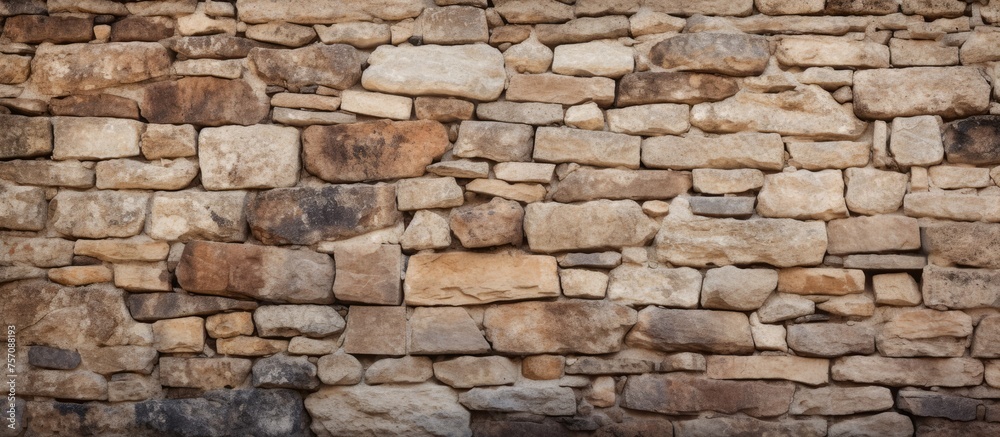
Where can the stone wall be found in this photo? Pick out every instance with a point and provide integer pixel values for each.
(497, 218)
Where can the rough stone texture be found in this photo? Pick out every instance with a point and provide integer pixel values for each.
(565, 90)
(743, 150)
(424, 409)
(897, 372)
(123, 174)
(731, 288)
(265, 273)
(603, 149)
(966, 244)
(496, 223)
(22, 208)
(329, 151)
(375, 330)
(368, 274)
(94, 138)
(973, 140)
(785, 195)
(542, 327)
(100, 105)
(830, 339)
(202, 101)
(227, 163)
(282, 371)
(428, 193)
(829, 401)
(778, 242)
(872, 191)
(192, 215)
(441, 331)
(468, 372)
(98, 214)
(339, 369)
(147, 307)
(822, 280)
(748, 426)
(654, 120)
(293, 320)
(326, 11)
(436, 279)
(554, 401)
(25, 137)
(556, 227)
(473, 71)
(827, 51)
(691, 394)
(336, 66)
(880, 93)
(723, 53)
(204, 373)
(307, 215)
(669, 330)
(494, 141)
(637, 285)
(959, 288)
(673, 87)
(810, 371)
(588, 184)
(66, 69)
(15, 69)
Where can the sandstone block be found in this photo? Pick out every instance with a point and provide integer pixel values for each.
(471, 71)
(872, 234)
(985, 341)
(949, 177)
(250, 346)
(656, 119)
(142, 277)
(428, 193)
(830, 339)
(723, 53)
(40, 252)
(494, 141)
(810, 371)
(690, 395)
(966, 244)
(731, 288)
(156, 306)
(639, 285)
(286, 34)
(713, 181)
(780, 307)
(282, 371)
(93, 138)
(336, 66)
(959, 288)
(899, 372)
(565, 90)
(78, 385)
(831, 51)
(327, 11)
(424, 409)
(99, 105)
(35, 29)
(80, 275)
(328, 151)
(461, 168)
(15, 69)
(443, 109)
(720, 332)
(879, 93)
(22, 208)
(309, 215)
(121, 174)
(524, 172)
(737, 207)
(444, 331)
(555, 227)
(339, 369)
(204, 373)
(496, 223)
(405, 370)
(539, 327)
(949, 206)
(432, 279)
(265, 273)
(192, 215)
(586, 284)
(74, 174)
(784, 195)
(168, 141)
(673, 87)
(202, 101)
(236, 157)
(373, 330)
(973, 140)
(427, 230)
(468, 372)
(744, 150)
(829, 401)
(453, 25)
(360, 34)
(98, 214)
(916, 140)
(526, 113)
(554, 401)
(778, 242)
(883, 424)
(897, 289)
(25, 137)
(212, 46)
(553, 144)
(528, 56)
(591, 184)
(723, 425)
(368, 274)
(823, 281)
(376, 104)
(582, 30)
(828, 154)
(528, 12)
(66, 69)
(293, 320)
(179, 335)
(228, 325)
(595, 58)
(586, 116)
(871, 191)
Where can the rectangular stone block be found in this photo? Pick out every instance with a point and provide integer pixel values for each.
(237, 157)
(960, 288)
(901, 372)
(950, 92)
(778, 242)
(94, 138)
(195, 215)
(605, 149)
(677, 393)
(719, 332)
(744, 150)
(368, 273)
(811, 371)
(25, 137)
(541, 327)
(463, 278)
(564, 90)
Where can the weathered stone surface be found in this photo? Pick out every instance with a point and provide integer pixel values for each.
(527, 193)
(329, 151)
(543, 367)
(494, 141)
(595, 58)
(822, 280)
(405, 370)
(443, 109)
(540, 327)
(639, 285)
(360, 34)
(72, 174)
(973, 140)
(830, 339)
(179, 335)
(307, 215)
(565, 90)
(520, 172)
(673, 87)
(260, 156)
(202, 101)
(951, 206)
(293, 320)
(35, 29)
(99, 105)
(193, 215)
(553, 401)
(66, 69)
(212, 46)
(80, 275)
(453, 25)
(960, 288)
(691, 395)
(831, 51)
(781, 306)
(883, 424)
(204, 373)
(785, 194)
(286, 34)
(582, 30)
(377, 104)
(460, 168)
(655, 120)
(885, 262)
(872, 191)
(468, 372)
(250, 346)
(731, 288)
(368, 274)
(743, 150)
(264, 273)
(778, 242)
(146, 29)
(590, 184)
(748, 426)
(555, 227)
(25, 137)
(339, 369)
(147, 307)
(881, 233)
(14, 69)
(526, 113)
(444, 331)
(916, 140)
(336, 66)
(22, 208)
(898, 289)
(373, 330)
(530, 12)
(604, 149)
(945, 427)
(811, 371)
(724, 53)
(228, 325)
(434, 279)
(737, 207)
(528, 56)
(119, 174)
(984, 344)
(19, 7)
(424, 409)
(898, 372)
(142, 276)
(327, 11)
(470, 71)
(40, 252)
(879, 93)
(93, 138)
(53, 358)
(496, 223)
(950, 177)
(98, 214)
(828, 154)
(807, 111)
(427, 230)
(428, 193)
(838, 401)
(282, 371)
(719, 332)
(80, 385)
(168, 141)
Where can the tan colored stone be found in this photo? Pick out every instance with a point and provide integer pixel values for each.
(80, 275)
(328, 151)
(444, 331)
(453, 25)
(250, 346)
(967, 244)
(778, 242)
(916, 140)
(780, 307)
(585, 284)
(565, 90)
(368, 273)
(524, 172)
(327, 11)
(94, 138)
(227, 69)
(431, 279)
(494, 141)
(882, 233)
(40, 252)
(582, 30)
(831, 339)
(713, 181)
(595, 58)
(586, 116)
(945, 287)
(376, 104)
(731, 288)
(26, 137)
(286, 34)
(179, 335)
(163, 175)
(920, 53)
(362, 35)
(810, 371)
(899, 372)
(922, 88)
(427, 230)
(753, 150)
(78, 385)
(235, 157)
(591, 184)
(690, 395)
(168, 141)
(496, 223)
(405, 370)
(293, 320)
(598, 224)
(692, 330)
(339, 369)
(204, 373)
(898, 289)
(203, 101)
(228, 325)
(542, 367)
(556, 401)
(785, 194)
(584, 147)
(192, 215)
(336, 66)
(673, 87)
(527, 193)
(374, 330)
(639, 285)
(470, 71)
(948, 177)
(724, 53)
(22, 208)
(528, 56)
(950, 206)
(648, 22)
(143, 277)
(460, 168)
(539, 327)
(67, 69)
(830, 154)
(830, 51)
(98, 214)
(423, 409)
(840, 400)
(871, 191)
(530, 12)
(15, 68)
(305, 101)
(467, 372)
(649, 120)
(443, 109)
(428, 193)
(73, 174)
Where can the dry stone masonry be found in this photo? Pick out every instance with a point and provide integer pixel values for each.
(500, 217)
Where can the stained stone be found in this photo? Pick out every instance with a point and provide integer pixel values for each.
(783, 195)
(526, 113)
(336, 66)
(443, 109)
(496, 223)
(956, 288)
(470, 71)
(731, 288)
(830, 339)
(444, 331)
(879, 425)
(204, 373)
(100, 105)
(828, 154)
(40, 252)
(20, 7)
(564, 90)
(639, 285)
(830, 401)
(973, 140)
(885, 262)
(453, 25)
(820, 281)
(327, 11)
(80, 385)
(368, 273)
(523, 172)
(552, 401)
(282, 371)
(591, 184)
(286, 34)
(951, 206)
(192, 215)
(723, 53)
(168, 141)
(146, 29)
(555, 227)
(900, 372)
(202, 101)
(35, 29)
(265, 273)
(66, 69)
(328, 151)
(778, 242)
(432, 279)
(14, 69)
(98, 214)
(582, 30)
(308, 215)
(904, 92)
(25, 137)
(673, 87)
(541, 327)
(374, 330)
(736, 151)
(428, 193)
(156, 306)
(721, 332)
(749, 426)
(212, 46)
(260, 156)
(22, 207)
(423, 409)
(494, 141)
(94, 138)
(872, 234)
(293, 320)
(53, 358)
(119, 174)
(692, 395)
(361, 35)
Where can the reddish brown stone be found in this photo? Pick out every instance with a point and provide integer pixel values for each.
(203, 101)
(265, 273)
(36, 29)
(372, 151)
(142, 29)
(662, 87)
(99, 105)
(309, 215)
(213, 46)
(676, 393)
(337, 66)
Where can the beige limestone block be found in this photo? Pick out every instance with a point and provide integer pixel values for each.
(828, 154)
(143, 277)
(444, 331)
(529, 56)
(427, 230)
(376, 104)
(831, 51)
(436, 279)
(948, 206)
(950, 177)
(669, 287)
(904, 92)
(179, 335)
(743, 150)
(524, 172)
(586, 116)
(539, 327)
(250, 346)
(527, 193)
(286, 34)
(732, 288)
(650, 120)
(715, 181)
(555, 227)
(720, 242)
(871, 191)
(168, 141)
(235, 157)
(565, 90)
(917, 140)
(810, 371)
(831, 401)
(204, 373)
(95, 138)
(881, 233)
(195, 215)
(803, 195)
(405, 370)
(124, 174)
(584, 284)
(595, 58)
(471, 71)
(606, 149)
(228, 325)
(899, 372)
(495, 141)
(80, 275)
